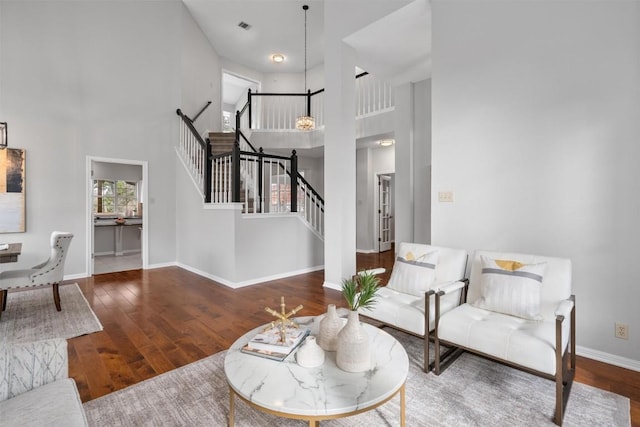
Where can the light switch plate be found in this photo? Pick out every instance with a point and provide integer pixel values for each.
(445, 196)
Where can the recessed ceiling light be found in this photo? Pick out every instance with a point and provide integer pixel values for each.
(386, 142)
(277, 58)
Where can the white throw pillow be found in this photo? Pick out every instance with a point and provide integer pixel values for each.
(511, 287)
(414, 273)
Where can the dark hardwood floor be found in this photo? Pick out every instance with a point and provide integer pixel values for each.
(157, 320)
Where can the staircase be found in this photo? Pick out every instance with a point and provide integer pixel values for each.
(222, 143)
(266, 183)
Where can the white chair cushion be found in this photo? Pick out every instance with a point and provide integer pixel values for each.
(556, 285)
(513, 339)
(414, 272)
(54, 404)
(406, 312)
(511, 287)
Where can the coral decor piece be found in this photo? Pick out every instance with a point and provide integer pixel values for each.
(283, 318)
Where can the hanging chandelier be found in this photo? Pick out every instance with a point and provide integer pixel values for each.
(306, 122)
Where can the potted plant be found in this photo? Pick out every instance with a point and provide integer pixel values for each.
(360, 291)
(353, 354)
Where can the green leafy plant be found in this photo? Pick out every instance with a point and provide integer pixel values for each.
(360, 291)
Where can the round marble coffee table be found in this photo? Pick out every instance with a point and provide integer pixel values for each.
(313, 394)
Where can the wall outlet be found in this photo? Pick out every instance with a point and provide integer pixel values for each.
(445, 196)
(622, 331)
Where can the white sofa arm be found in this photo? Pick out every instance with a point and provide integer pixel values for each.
(564, 308)
(25, 366)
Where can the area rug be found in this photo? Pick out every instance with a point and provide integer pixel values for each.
(471, 392)
(31, 315)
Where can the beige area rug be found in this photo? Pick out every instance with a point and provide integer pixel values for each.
(471, 392)
(31, 315)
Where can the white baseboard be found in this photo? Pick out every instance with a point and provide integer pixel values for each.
(332, 286)
(236, 285)
(163, 264)
(366, 251)
(609, 358)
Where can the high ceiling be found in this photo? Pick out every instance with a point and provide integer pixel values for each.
(391, 37)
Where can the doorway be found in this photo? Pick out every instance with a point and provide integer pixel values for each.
(234, 97)
(117, 232)
(385, 206)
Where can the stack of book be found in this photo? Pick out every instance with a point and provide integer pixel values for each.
(269, 343)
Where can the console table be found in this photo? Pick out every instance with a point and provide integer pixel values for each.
(314, 394)
(11, 254)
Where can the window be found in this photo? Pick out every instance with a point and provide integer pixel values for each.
(115, 197)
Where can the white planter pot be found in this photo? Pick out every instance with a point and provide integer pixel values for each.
(330, 325)
(310, 355)
(353, 354)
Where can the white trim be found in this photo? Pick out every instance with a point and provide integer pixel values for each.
(332, 286)
(161, 265)
(236, 285)
(75, 276)
(366, 251)
(237, 206)
(608, 358)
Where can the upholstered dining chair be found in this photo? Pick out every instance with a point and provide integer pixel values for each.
(520, 311)
(49, 272)
(418, 270)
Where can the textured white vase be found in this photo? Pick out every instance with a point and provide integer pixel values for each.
(310, 355)
(329, 327)
(353, 354)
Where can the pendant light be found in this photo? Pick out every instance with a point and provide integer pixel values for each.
(306, 122)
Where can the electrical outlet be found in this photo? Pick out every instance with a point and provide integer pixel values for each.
(445, 196)
(622, 331)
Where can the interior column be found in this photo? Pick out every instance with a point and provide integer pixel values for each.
(339, 155)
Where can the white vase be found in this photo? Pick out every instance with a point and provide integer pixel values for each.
(329, 327)
(353, 354)
(310, 355)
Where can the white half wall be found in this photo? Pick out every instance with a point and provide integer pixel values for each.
(536, 130)
(221, 243)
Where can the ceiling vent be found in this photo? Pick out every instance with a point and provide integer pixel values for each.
(244, 25)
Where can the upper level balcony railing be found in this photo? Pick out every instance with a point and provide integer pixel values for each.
(279, 111)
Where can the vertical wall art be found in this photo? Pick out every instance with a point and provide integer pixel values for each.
(12, 191)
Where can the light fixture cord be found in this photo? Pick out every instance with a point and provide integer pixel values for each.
(305, 48)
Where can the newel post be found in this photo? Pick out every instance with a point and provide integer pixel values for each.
(260, 178)
(249, 101)
(294, 181)
(208, 167)
(235, 195)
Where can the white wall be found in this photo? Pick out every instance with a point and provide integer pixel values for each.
(97, 78)
(422, 161)
(201, 76)
(536, 130)
(116, 171)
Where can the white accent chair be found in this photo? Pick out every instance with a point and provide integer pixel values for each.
(402, 304)
(540, 343)
(34, 386)
(50, 272)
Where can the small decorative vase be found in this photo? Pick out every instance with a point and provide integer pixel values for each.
(353, 353)
(310, 355)
(330, 325)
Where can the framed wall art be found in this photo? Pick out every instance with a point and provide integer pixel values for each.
(12, 191)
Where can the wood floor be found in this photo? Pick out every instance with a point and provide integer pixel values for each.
(157, 320)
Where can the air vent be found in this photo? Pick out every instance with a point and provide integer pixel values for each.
(244, 25)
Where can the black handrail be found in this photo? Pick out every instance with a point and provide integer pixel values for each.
(193, 130)
(201, 111)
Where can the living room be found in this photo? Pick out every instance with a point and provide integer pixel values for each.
(533, 108)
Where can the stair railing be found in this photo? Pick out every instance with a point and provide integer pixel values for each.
(197, 151)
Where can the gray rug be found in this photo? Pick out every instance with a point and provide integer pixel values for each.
(31, 315)
(471, 392)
